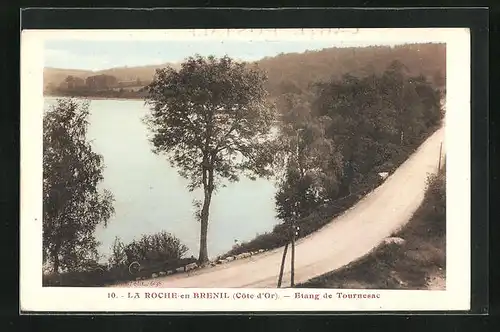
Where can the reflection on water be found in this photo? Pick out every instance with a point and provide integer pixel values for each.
(150, 196)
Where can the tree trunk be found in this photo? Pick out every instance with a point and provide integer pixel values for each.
(54, 253)
(56, 263)
(203, 256)
(345, 181)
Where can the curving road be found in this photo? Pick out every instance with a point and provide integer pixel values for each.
(347, 238)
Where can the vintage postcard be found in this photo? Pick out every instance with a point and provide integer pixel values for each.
(245, 170)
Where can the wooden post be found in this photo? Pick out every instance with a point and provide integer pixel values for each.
(292, 270)
(280, 278)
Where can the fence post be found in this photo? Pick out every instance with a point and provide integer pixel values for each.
(280, 278)
(292, 270)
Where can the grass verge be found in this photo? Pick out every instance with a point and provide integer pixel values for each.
(418, 263)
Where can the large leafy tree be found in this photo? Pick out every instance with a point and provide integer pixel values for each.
(73, 205)
(211, 118)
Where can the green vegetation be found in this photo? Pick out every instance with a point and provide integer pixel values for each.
(296, 71)
(334, 140)
(418, 263)
(72, 205)
(104, 86)
(340, 122)
(285, 72)
(138, 259)
(154, 248)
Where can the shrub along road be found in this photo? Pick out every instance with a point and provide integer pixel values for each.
(346, 239)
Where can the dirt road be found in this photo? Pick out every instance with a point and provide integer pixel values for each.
(345, 239)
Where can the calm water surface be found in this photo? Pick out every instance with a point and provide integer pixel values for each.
(150, 196)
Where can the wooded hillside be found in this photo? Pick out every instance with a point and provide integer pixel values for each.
(294, 70)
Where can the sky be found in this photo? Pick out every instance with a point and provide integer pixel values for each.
(98, 55)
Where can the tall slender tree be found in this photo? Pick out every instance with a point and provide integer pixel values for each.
(212, 120)
(73, 205)
(304, 155)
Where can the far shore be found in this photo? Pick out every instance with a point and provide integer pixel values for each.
(94, 97)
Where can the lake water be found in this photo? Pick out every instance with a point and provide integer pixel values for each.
(150, 196)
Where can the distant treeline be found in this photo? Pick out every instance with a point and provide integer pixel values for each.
(120, 93)
(104, 86)
(294, 72)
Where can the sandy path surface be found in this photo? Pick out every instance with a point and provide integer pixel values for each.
(347, 238)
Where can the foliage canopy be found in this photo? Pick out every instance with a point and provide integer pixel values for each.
(73, 205)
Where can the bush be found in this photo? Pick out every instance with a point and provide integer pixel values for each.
(152, 248)
(153, 253)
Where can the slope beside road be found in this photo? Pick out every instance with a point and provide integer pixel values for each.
(345, 239)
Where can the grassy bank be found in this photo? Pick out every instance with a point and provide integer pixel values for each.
(105, 275)
(418, 263)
